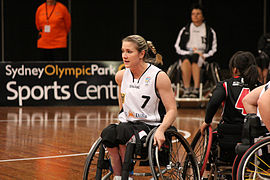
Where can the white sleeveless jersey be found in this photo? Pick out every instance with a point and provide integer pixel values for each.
(263, 90)
(140, 99)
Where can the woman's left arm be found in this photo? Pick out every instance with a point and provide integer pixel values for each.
(167, 97)
(263, 105)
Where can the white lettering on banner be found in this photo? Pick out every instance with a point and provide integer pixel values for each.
(22, 71)
(93, 92)
(55, 70)
(23, 93)
(95, 69)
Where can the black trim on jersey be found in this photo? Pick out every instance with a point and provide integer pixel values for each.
(161, 107)
(161, 111)
(121, 111)
(266, 87)
(156, 85)
(142, 73)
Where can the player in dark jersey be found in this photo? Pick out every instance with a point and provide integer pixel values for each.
(230, 93)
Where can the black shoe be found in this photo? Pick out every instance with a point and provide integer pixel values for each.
(186, 93)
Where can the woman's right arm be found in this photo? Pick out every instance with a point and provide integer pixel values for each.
(217, 98)
(118, 78)
(219, 95)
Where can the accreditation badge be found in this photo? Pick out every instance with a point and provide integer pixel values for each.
(47, 28)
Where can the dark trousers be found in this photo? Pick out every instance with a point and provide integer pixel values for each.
(59, 54)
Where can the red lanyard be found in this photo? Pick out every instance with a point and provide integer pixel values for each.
(48, 17)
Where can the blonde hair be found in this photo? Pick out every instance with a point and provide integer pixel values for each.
(151, 54)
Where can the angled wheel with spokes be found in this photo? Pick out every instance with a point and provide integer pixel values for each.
(97, 164)
(176, 160)
(255, 163)
(201, 146)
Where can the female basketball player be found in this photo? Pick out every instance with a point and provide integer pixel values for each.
(230, 94)
(145, 99)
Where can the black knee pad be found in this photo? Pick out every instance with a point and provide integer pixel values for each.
(108, 136)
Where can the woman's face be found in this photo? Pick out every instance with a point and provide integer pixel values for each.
(197, 16)
(130, 55)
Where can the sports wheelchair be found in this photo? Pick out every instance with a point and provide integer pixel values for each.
(214, 153)
(255, 163)
(209, 77)
(254, 151)
(176, 160)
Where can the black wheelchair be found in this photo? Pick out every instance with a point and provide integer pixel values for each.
(176, 159)
(254, 151)
(209, 77)
(255, 163)
(215, 152)
(250, 159)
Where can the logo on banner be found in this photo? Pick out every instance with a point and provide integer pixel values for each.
(52, 83)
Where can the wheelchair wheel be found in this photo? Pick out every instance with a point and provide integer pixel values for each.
(97, 164)
(211, 78)
(255, 164)
(176, 160)
(173, 72)
(215, 72)
(201, 146)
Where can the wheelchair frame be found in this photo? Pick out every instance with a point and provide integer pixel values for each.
(182, 161)
(252, 165)
(206, 87)
(209, 162)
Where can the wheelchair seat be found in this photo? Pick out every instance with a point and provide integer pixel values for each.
(176, 160)
(209, 77)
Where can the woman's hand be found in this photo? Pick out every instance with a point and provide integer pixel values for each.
(159, 138)
(203, 127)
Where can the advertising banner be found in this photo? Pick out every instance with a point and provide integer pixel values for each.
(54, 83)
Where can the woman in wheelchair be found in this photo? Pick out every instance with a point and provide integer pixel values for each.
(230, 93)
(146, 100)
(254, 149)
(257, 102)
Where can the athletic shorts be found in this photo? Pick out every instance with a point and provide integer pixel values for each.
(122, 133)
(193, 58)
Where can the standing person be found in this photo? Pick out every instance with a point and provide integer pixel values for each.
(146, 100)
(263, 58)
(53, 22)
(195, 43)
(230, 94)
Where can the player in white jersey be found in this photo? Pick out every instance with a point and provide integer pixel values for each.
(145, 99)
(258, 102)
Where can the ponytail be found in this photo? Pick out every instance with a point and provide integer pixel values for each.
(251, 76)
(245, 62)
(152, 55)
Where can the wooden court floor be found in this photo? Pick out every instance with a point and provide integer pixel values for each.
(52, 142)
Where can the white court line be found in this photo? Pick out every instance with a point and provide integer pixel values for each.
(46, 157)
(71, 119)
(187, 134)
(101, 119)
